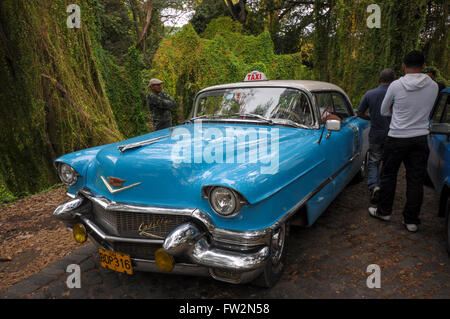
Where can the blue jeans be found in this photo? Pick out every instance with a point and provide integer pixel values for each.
(373, 167)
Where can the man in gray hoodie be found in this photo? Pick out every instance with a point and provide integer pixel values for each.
(409, 101)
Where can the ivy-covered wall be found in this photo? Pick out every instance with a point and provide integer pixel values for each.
(188, 62)
(53, 96)
(125, 90)
(350, 54)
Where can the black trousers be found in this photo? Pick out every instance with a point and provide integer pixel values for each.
(413, 152)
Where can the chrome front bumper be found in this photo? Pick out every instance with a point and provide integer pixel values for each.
(226, 255)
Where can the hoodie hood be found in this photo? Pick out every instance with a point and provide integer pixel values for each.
(415, 81)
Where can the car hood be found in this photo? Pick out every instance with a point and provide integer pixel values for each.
(172, 170)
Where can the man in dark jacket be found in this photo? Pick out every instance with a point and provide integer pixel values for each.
(159, 103)
(378, 130)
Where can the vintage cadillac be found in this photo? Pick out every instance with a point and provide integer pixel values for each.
(216, 195)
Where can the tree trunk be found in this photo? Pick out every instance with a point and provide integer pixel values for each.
(238, 12)
(147, 23)
(135, 16)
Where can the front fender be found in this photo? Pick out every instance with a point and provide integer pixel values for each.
(80, 161)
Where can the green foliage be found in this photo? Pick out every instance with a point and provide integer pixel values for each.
(124, 88)
(5, 194)
(351, 55)
(187, 62)
(205, 12)
(52, 99)
(117, 29)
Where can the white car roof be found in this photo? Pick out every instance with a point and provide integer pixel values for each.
(300, 84)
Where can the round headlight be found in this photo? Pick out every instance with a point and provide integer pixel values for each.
(67, 174)
(224, 201)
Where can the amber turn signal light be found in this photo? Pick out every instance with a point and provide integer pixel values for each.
(79, 233)
(163, 260)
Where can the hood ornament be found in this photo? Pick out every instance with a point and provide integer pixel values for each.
(131, 146)
(116, 182)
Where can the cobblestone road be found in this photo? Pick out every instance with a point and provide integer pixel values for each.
(327, 260)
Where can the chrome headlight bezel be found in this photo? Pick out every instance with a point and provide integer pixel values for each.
(67, 174)
(212, 195)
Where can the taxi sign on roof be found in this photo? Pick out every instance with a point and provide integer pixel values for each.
(255, 76)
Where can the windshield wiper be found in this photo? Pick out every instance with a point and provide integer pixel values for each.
(255, 116)
(205, 116)
(289, 123)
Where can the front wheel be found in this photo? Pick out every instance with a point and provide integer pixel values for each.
(275, 265)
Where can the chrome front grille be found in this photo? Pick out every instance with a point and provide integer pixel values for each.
(137, 225)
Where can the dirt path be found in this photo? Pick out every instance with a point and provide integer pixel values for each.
(30, 238)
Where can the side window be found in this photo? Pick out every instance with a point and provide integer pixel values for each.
(302, 110)
(324, 102)
(442, 110)
(341, 107)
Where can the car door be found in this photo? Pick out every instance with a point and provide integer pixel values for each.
(337, 147)
(347, 140)
(438, 141)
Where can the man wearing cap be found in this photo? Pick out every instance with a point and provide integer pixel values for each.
(159, 103)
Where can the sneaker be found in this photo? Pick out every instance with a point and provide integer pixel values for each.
(375, 195)
(411, 227)
(373, 213)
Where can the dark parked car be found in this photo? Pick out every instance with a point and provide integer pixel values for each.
(439, 160)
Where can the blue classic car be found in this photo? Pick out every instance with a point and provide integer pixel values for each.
(215, 196)
(439, 159)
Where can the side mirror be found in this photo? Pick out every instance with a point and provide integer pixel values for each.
(333, 125)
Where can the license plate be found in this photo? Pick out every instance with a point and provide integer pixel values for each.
(115, 261)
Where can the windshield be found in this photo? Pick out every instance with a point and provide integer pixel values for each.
(275, 105)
